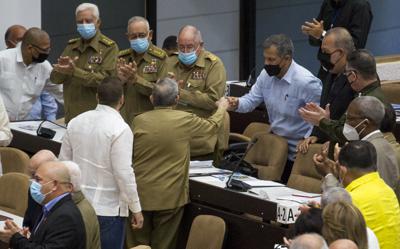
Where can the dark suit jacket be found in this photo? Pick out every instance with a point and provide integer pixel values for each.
(32, 213)
(62, 229)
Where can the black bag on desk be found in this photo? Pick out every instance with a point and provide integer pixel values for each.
(230, 163)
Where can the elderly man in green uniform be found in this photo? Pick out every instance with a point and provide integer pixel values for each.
(85, 62)
(138, 66)
(363, 79)
(162, 166)
(202, 80)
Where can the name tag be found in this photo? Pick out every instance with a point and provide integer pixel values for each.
(287, 214)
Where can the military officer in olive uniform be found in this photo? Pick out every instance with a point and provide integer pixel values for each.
(162, 167)
(146, 60)
(202, 80)
(85, 62)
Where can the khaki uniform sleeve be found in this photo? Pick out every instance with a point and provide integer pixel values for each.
(334, 129)
(200, 126)
(93, 79)
(215, 88)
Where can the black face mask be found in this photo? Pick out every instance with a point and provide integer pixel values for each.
(272, 70)
(41, 58)
(325, 60)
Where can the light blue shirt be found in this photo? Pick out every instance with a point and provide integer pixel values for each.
(48, 104)
(282, 98)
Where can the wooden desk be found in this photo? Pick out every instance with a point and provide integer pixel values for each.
(242, 231)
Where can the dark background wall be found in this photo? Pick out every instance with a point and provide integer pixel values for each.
(58, 19)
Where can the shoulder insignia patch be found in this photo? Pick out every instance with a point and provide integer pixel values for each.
(158, 52)
(73, 40)
(125, 52)
(107, 41)
(212, 57)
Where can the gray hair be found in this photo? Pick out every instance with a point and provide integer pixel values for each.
(309, 241)
(371, 108)
(282, 42)
(335, 194)
(196, 32)
(165, 92)
(342, 39)
(138, 19)
(74, 174)
(88, 6)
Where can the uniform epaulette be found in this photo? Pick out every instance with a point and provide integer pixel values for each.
(107, 41)
(211, 56)
(124, 52)
(157, 52)
(73, 40)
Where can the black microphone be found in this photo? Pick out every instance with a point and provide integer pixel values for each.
(237, 184)
(249, 80)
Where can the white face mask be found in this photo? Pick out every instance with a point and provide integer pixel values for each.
(350, 132)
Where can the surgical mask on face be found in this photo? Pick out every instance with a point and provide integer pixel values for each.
(350, 132)
(187, 58)
(87, 30)
(325, 60)
(140, 45)
(36, 193)
(41, 58)
(272, 70)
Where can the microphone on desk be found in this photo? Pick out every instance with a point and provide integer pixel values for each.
(237, 184)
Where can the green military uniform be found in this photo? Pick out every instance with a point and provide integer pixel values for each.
(161, 161)
(205, 83)
(96, 60)
(90, 220)
(334, 128)
(149, 67)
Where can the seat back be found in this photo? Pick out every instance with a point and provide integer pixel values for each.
(392, 92)
(255, 127)
(304, 176)
(207, 231)
(14, 193)
(269, 156)
(14, 160)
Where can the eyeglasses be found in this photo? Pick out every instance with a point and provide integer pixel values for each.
(43, 50)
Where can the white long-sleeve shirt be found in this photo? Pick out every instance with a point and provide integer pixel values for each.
(5, 132)
(21, 85)
(101, 143)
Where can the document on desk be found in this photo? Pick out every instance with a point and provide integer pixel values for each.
(205, 168)
(30, 127)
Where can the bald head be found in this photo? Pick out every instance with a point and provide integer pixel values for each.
(309, 241)
(75, 175)
(39, 158)
(54, 170)
(342, 39)
(335, 194)
(14, 35)
(190, 32)
(368, 107)
(35, 36)
(343, 244)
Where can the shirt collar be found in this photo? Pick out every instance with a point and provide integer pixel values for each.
(19, 53)
(107, 108)
(94, 43)
(367, 178)
(371, 134)
(369, 88)
(50, 204)
(288, 77)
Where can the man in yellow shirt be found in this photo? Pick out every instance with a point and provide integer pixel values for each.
(376, 200)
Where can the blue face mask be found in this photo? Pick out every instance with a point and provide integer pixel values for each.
(36, 193)
(140, 45)
(87, 31)
(187, 58)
